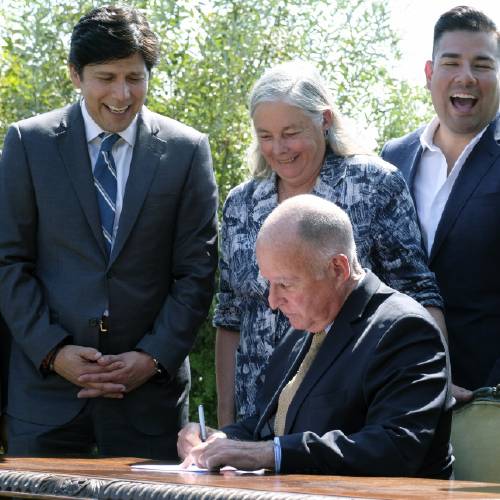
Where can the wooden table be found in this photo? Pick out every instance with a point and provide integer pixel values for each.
(112, 478)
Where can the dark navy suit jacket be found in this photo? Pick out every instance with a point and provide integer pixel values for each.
(4, 363)
(465, 255)
(376, 399)
(55, 277)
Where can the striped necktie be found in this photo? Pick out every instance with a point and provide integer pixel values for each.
(288, 392)
(106, 185)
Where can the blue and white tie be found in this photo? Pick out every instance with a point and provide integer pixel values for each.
(105, 183)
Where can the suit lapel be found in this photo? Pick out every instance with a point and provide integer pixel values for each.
(475, 168)
(339, 337)
(72, 144)
(296, 356)
(413, 160)
(147, 152)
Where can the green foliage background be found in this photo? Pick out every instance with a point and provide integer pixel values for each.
(212, 52)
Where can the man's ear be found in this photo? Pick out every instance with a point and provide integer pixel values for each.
(428, 73)
(340, 267)
(74, 76)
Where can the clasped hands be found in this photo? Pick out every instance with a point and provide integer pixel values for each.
(106, 375)
(218, 451)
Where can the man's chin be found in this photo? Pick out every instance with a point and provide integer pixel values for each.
(467, 124)
(116, 122)
(296, 322)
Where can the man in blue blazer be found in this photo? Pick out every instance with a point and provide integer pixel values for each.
(107, 255)
(360, 387)
(453, 169)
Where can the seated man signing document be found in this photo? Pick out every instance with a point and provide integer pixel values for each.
(360, 386)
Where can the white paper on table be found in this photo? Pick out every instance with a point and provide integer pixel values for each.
(168, 468)
(177, 469)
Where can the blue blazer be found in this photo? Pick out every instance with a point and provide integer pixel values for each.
(376, 399)
(55, 278)
(464, 255)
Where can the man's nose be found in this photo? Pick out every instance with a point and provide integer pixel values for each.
(121, 90)
(465, 75)
(273, 298)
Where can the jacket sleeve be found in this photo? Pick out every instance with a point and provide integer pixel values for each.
(22, 301)
(194, 262)
(402, 262)
(242, 430)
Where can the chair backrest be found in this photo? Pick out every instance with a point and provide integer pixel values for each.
(475, 436)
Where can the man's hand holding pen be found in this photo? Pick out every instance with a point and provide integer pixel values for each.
(218, 451)
(190, 445)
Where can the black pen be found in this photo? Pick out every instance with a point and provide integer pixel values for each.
(203, 427)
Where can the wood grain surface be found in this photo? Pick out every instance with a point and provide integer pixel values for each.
(329, 486)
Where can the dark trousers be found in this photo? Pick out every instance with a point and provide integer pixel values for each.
(4, 370)
(3, 433)
(100, 428)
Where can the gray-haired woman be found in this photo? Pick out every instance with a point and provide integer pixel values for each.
(303, 146)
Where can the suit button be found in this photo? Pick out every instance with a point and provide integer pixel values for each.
(110, 275)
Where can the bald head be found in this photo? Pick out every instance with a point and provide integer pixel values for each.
(318, 226)
(306, 252)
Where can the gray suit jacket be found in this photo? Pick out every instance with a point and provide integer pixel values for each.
(55, 279)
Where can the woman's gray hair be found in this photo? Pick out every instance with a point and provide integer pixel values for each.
(299, 84)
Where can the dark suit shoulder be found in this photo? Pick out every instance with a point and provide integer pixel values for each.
(399, 305)
(45, 122)
(403, 152)
(398, 314)
(401, 142)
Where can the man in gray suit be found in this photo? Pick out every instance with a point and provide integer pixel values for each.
(107, 255)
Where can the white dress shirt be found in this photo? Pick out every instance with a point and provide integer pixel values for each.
(432, 185)
(122, 154)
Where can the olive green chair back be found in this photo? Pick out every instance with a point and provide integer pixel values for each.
(475, 437)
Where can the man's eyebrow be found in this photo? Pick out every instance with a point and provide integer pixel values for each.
(111, 72)
(454, 55)
(485, 58)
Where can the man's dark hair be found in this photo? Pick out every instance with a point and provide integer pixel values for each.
(109, 33)
(464, 18)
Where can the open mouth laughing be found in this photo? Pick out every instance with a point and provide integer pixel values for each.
(463, 102)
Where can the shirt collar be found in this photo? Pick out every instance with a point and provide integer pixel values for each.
(427, 136)
(92, 130)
